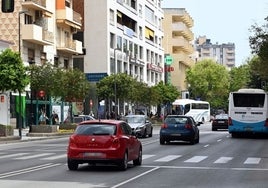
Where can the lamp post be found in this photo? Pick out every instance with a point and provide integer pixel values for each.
(115, 95)
(20, 100)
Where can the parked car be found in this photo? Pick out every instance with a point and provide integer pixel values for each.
(103, 141)
(179, 127)
(80, 118)
(220, 122)
(140, 124)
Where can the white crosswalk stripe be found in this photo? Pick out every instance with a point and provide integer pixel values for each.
(155, 158)
(252, 160)
(33, 156)
(196, 159)
(168, 158)
(55, 157)
(12, 155)
(222, 160)
(147, 156)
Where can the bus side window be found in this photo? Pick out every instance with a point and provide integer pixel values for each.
(7, 6)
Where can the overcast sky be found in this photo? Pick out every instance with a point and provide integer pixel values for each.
(224, 21)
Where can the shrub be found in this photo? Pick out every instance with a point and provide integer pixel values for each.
(6, 130)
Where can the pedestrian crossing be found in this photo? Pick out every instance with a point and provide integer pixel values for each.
(146, 158)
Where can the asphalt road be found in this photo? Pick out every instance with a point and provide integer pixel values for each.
(217, 161)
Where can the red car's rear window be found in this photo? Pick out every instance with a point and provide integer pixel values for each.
(96, 129)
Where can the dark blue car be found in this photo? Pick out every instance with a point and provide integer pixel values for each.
(179, 127)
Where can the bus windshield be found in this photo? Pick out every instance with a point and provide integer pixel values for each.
(249, 100)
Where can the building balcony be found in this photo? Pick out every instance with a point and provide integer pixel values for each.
(181, 44)
(71, 46)
(180, 29)
(185, 18)
(37, 5)
(68, 17)
(36, 34)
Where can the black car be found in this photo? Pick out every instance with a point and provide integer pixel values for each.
(220, 122)
(179, 127)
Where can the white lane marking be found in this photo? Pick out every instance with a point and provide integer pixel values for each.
(34, 156)
(135, 177)
(13, 155)
(168, 158)
(55, 157)
(27, 170)
(196, 159)
(205, 146)
(147, 156)
(222, 160)
(252, 160)
(219, 140)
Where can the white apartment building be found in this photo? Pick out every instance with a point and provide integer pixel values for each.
(223, 54)
(124, 36)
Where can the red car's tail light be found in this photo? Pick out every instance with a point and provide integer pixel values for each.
(72, 142)
(230, 122)
(164, 126)
(266, 123)
(188, 126)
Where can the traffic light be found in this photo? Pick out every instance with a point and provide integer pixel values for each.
(7, 6)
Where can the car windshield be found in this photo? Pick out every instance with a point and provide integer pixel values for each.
(133, 119)
(221, 116)
(96, 129)
(177, 120)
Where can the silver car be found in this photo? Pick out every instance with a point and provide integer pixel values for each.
(140, 124)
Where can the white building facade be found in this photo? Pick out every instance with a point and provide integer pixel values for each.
(124, 36)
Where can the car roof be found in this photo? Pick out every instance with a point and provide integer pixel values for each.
(102, 121)
(136, 115)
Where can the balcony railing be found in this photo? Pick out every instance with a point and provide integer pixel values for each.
(36, 34)
(70, 46)
(69, 17)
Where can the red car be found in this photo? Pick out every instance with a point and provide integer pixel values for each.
(104, 141)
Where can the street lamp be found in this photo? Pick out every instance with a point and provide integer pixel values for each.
(20, 100)
(20, 13)
(115, 72)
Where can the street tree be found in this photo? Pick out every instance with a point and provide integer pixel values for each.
(259, 46)
(209, 81)
(13, 74)
(13, 77)
(239, 77)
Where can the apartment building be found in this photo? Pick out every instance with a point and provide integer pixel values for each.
(124, 36)
(177, 42)
(223, 54)
(42, 30)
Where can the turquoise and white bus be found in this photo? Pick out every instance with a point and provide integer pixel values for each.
(248, 112)
(199, 110)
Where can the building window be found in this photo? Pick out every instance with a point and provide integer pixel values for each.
(66, 63)
(119, 42)
(112, 40)
(111, 16)
(31, 55)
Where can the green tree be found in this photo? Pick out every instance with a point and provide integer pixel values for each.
(239, 77)
(209, 81)
(68, 84)
(259, 46)
(168, 93)
(13, 74)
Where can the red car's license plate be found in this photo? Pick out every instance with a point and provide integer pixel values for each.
(93, 154)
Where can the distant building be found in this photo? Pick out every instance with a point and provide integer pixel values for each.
(177, 43)
(224, 54)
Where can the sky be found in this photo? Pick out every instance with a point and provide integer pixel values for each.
(224, 21)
